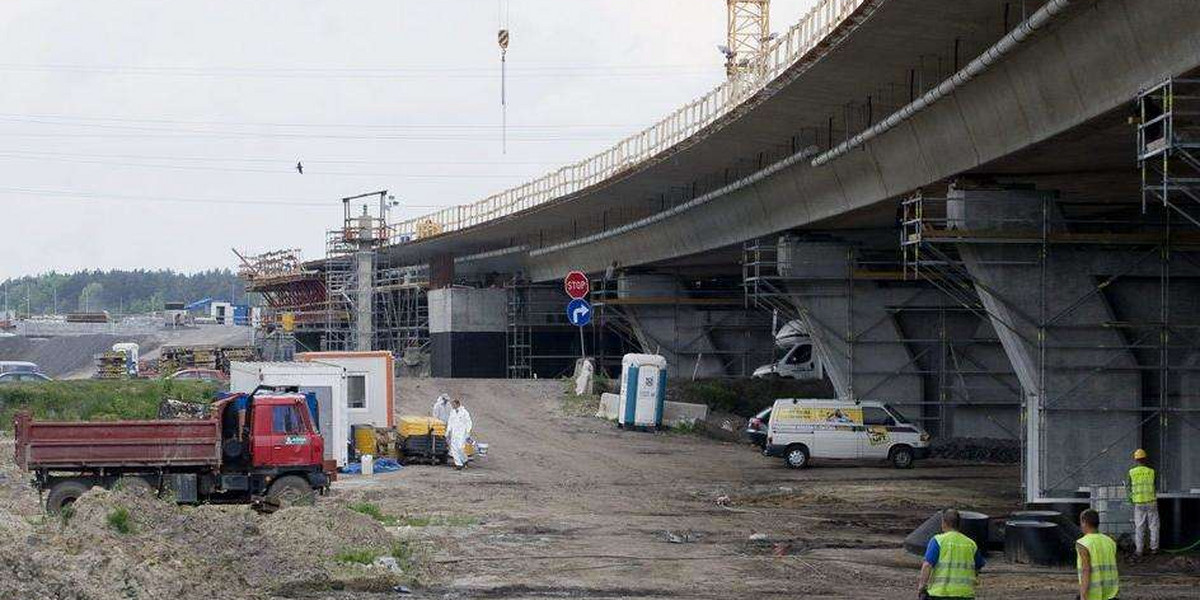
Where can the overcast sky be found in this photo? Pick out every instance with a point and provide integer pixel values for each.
(161, 134)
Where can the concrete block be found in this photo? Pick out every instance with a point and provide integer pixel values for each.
(609, 403)
(679, 413)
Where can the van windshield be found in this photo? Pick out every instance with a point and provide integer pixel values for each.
(899, 415)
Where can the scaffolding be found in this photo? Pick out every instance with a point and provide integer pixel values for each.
(940, 339)
(710, 325)
(1168, 138)
(540, 341)
(1125, 326)
(294, 293)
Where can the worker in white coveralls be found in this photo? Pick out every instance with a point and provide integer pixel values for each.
(458, 428)
(441, 408)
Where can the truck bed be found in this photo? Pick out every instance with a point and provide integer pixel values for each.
(84, 445)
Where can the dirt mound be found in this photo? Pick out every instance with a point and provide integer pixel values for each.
(129, 545)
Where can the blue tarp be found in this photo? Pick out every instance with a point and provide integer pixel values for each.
(382, 465)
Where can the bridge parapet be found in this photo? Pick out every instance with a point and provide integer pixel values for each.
(819, 26)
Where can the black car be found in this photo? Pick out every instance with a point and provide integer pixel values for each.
(756, 428)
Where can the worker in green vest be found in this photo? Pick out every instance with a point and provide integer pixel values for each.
(1095, 560)
(951, 562)
(1145, 503)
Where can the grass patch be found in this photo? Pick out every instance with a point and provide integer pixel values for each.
(96, 400)
(358, 556)
(580, 406)
(374, 512)
(118, 519)
(402, 551)
(685, 428)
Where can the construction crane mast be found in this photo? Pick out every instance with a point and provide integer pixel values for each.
(749, 31)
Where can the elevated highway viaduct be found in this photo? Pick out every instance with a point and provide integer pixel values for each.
(948, 196)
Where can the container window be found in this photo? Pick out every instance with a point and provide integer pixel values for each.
(356, 391)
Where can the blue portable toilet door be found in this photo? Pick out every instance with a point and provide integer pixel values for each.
(630, 399)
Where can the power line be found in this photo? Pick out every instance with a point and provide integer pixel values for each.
(286, 168)
(77, 194)
(392, 73)
(85, 119)
(276, 159)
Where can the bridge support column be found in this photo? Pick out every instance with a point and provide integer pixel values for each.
(467, 332)
(1081, 387)
(851, 322)
(699, 333)
(364, 305)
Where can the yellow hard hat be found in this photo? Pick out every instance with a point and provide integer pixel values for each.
(1139, 454)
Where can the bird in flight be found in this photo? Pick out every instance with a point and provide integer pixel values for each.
(299, 167)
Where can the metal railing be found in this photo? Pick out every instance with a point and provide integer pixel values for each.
(781, 54)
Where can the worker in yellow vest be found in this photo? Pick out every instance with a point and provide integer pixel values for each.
(1095, 560)
(1145, 503)
(951, 562)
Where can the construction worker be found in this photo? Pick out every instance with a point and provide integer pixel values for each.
(951, 562)
(441, 408)
(1145, 503)
(458, 429)
(1095, 560)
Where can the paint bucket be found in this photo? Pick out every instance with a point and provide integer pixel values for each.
(368, 464)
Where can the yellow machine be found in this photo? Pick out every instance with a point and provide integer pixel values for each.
(414, 425)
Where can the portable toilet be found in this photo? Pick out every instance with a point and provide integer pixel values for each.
(643, 390)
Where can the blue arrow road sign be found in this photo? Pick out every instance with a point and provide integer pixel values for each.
(579, 312)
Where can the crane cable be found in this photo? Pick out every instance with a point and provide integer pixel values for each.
(502, 38)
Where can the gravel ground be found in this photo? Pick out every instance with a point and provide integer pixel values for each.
(564, 506)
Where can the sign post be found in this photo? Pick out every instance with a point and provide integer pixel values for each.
(579, 312)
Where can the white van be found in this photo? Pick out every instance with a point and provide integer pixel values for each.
(806, 429)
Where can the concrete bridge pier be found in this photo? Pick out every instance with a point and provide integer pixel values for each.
(854, 331)
(1081, 386)
(701, 334)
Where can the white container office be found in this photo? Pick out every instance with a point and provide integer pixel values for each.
(370, 384)
(643, 390)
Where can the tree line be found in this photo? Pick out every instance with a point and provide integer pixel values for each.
(116, 291)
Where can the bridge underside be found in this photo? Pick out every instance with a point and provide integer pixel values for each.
(986, 262)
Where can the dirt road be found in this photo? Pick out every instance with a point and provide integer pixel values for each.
(570, 506)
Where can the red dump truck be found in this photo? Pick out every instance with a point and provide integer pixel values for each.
(258, 449)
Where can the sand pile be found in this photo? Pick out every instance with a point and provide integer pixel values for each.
(177, 552)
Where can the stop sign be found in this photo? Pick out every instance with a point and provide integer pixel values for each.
(577, 285)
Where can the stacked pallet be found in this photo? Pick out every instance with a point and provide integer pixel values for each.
(111, 365)
(176, 358)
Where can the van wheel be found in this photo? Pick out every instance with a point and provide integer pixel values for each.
(796, 457)
(902, 457)
(64, 494)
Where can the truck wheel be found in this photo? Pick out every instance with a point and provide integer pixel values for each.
(64, 494)
(290, 490)
(796, 457)
(902, 457)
